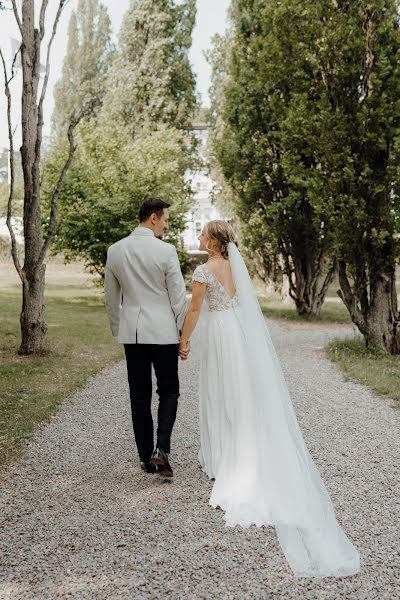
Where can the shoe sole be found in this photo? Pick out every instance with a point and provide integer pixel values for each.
(164, 470)
(144, 470)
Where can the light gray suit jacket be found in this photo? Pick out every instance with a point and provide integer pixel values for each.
(145, 292)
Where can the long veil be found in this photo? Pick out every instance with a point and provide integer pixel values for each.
(302, 513)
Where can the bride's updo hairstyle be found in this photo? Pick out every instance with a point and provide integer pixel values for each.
(219, 234)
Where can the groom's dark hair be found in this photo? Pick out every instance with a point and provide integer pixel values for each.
(152, 205)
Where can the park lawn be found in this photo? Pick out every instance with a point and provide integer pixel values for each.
(81, 344)
(332, 311)
(371, 367)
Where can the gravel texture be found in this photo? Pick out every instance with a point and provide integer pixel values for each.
(80, 519)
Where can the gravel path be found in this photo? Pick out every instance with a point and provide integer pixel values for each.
(80, 520)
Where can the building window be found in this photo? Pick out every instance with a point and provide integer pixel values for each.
(198, 227)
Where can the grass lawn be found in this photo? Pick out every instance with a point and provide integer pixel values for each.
(81, 344)
(333, 310)
(374, 368)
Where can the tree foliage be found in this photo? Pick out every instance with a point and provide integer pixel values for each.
(126, 155)
(151, 80)
(86, 63)
(310, 143)
(259, 76)
(218, 56)
(109, 181)
(358, 58)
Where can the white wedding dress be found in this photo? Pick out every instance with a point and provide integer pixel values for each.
(251, 443)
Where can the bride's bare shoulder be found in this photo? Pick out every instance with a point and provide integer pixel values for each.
(218, 267)
(214, 265)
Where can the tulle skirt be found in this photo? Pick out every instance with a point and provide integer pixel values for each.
(228, 451)
(244, 454)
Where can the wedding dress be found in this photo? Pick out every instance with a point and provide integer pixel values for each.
(251, 443)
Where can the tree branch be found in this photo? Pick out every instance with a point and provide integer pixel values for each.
(14, 248)
(17, 18)
(317, 272)
(369, 61)
(350, 299)
(56, 193)
(47, 73)
(327, 281)
(289, 273)
(94, 268)
(58, 188)
(42, 18)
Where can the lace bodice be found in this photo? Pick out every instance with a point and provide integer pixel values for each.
(216, 295)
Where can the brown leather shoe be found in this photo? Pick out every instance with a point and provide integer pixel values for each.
(148, 467)
(159, 458)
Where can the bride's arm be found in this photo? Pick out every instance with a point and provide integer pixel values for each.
(192, 315)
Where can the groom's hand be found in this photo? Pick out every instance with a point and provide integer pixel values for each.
(184, 349)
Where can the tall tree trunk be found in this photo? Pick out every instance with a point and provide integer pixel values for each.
(383, 326)
(304, 277)
(33, 326)
(32, 274)
(376, 315)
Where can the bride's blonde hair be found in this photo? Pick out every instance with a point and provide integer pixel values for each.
(221, 233)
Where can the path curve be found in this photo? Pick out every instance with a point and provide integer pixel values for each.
(80, 520)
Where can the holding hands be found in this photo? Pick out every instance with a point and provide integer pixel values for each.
(184, 349)
(191, 318)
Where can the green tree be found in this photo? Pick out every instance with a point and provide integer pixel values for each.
(312, 115)
(115, 171)
(151, 80)
(357, 55)
(219, 59)
(88, 58)
(110, 179)
(261, 75)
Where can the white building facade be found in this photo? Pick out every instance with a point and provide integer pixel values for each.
(202, 209)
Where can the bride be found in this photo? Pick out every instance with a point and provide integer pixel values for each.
(251, 443)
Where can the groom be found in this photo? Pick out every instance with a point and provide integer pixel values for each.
(145, 299)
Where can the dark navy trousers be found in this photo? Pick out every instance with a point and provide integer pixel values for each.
(139, 359)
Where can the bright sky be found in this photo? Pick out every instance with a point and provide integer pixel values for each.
(211, 19)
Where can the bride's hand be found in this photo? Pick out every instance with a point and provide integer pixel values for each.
(184, 349)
